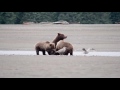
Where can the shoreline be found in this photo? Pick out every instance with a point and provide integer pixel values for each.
(75, 53)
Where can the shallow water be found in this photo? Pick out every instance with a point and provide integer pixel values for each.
(76, 53)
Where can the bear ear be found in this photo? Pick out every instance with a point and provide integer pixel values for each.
(58, 33)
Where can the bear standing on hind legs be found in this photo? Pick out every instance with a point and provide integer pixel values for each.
(62, 48)
(59, 37)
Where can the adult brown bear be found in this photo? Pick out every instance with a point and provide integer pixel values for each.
(68, 48)
(59, 37)
(44, 46)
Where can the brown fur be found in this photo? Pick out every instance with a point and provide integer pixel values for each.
(59, 37)
(44, 46)
(69, 48)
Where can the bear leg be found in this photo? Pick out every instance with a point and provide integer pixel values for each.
(57, 53)
(37, 52)
(49, 52)
(37, 49)
(66, 52)
(71, 53)
(43, 52)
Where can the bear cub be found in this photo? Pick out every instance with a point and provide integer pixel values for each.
(44, 46)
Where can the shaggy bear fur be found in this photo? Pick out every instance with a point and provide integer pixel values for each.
(44, 46)
(61, 44)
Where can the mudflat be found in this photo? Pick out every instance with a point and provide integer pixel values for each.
(59, 67)
(101, 37)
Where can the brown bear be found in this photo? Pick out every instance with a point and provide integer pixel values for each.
(44, 46)
(61, 44)
(59, 37)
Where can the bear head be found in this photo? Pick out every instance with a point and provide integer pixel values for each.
(50, 46)
(61, 36)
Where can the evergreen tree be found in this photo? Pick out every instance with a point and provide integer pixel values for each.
(95, 18)
(71, 17)
(1, 18)
(19, 16)
(115, 17)
(28, 17)
(8, 18)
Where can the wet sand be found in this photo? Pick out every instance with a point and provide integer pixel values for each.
(75, 53)
(59, 67)
(104, 38)
(24, 37)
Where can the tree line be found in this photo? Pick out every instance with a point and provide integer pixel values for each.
(71, 17)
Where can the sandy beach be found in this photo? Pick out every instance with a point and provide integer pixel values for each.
(104, 38)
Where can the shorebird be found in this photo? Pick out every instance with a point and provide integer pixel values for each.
(88, 50)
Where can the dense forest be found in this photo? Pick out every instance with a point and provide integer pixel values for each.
(71, 17)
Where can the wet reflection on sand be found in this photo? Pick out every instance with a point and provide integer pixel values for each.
(76, 53)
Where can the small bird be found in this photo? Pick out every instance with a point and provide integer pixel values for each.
(88, 50)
